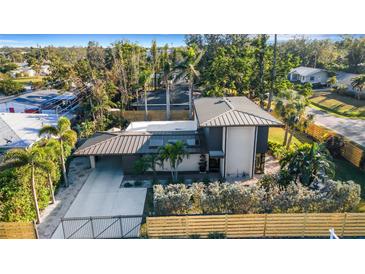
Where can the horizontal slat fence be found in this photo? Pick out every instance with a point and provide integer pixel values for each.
(153, 115)
(258, 225)
(18, 230)
(351, 152)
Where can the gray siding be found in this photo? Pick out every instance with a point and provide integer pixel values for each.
(213, 137)
(262, 137)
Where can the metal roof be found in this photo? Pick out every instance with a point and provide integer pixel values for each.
(127, 142)
(231, 111)
(306, 71)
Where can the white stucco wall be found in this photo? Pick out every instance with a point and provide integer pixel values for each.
(319, 77)
(240, 150)
(188, 164)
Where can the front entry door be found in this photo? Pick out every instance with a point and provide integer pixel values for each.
(214, 164)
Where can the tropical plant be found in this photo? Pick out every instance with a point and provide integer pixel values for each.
(31, 159)
(310, 164)
(144, 81)
(332, 81)
(174, 154)
(65, 135)
(273, 74)
(147, 162)
(358, 83)
(187, 69)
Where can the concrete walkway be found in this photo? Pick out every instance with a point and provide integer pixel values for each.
(102, 195)
(351, 128)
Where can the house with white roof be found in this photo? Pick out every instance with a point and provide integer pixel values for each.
(309, 75)
(20, 130)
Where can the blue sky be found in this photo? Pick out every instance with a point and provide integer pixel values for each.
(68, 40)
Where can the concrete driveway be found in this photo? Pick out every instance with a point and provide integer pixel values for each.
(101, 195)
(354, 129)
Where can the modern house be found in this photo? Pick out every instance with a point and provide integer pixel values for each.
(20, 130)
(309, 75)
(230, 134)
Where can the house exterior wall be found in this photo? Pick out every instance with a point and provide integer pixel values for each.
(188, 164)
(240, 150)
(319, 77)
(18, 107)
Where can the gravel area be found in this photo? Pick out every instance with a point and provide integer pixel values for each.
(78, 172)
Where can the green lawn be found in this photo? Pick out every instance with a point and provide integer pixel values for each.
(338, 104)
(277, 135)
(25, 80)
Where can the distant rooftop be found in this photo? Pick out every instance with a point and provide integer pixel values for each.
(305, 71)
(160, 126)
(231, 111)
(20, 130)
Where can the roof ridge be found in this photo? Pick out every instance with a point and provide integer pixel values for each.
(254, 115)
(216, 117)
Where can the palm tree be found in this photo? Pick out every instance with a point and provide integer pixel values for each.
(188, 70)
(358, 83)
(166, 68)
(65, 135)
(144, 81)
(30, 159)
(155, 63)
(291, 107)
(309, 163)
(273, 74)
(174, 154)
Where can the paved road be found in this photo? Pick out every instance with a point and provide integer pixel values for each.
(350, 128)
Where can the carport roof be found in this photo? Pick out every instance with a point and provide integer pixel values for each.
(231, 111)
(127, 142)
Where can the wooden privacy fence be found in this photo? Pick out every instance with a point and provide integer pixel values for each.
(153, 115)
(18, 230)
(258, 225)
(351, 152)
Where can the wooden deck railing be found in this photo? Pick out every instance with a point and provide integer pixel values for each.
(18, 230)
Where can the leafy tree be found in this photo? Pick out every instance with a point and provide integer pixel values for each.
(155, 61)
(31, 159)
(332, 81)
(10, 87)
(65, 135)
(310, 164)
(273, 74)
(147, 162)
(358, 83)
(174, 155)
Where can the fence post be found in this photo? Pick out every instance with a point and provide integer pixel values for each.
(305, 224)
(92, 227)
(121, 226)
(35, 230)
(344, 224)
(63, 229)
(265, 225)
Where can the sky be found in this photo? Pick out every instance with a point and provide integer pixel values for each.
(69, 40)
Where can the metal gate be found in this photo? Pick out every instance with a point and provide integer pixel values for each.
(105, 227)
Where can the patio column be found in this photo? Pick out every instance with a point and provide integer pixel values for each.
(92, 161)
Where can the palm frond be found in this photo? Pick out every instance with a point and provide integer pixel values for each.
(50, 130)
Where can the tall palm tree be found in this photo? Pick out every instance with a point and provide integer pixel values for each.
(174, 154)
(144, 81)
(65, 135)
(155, 62)
(166, 69)
(30, 159)
(358, 83)
(188, 70)
(273, 74)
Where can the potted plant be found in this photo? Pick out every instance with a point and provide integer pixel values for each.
(203, 163)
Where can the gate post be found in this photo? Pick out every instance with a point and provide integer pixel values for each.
(121, 226)
(92, 227)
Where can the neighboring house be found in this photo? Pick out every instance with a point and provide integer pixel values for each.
(23, 71)
(309, 75)
(20, 130)
(37, 101)
(231, 134)
(344, 78)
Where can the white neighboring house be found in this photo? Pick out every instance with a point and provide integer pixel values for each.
(20, 130)
(25, 71)
(309, 75)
